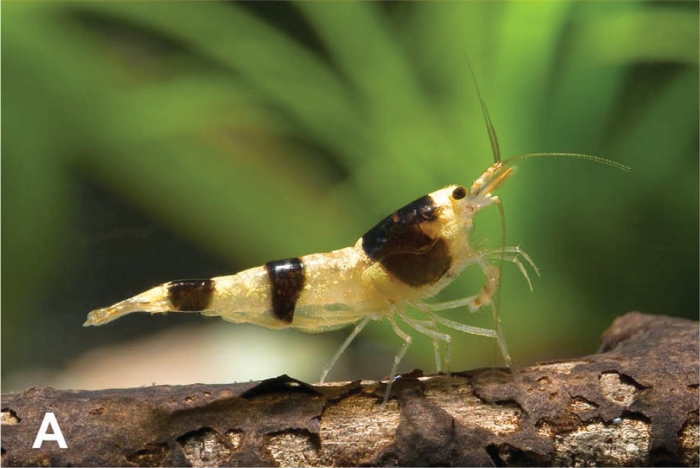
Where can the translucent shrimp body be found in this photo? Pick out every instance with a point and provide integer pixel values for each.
(408, 257)
(411, 255)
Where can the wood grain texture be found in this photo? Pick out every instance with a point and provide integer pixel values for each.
(633, 403)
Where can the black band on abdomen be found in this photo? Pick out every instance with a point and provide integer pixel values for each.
(287, 279)
(190, 295)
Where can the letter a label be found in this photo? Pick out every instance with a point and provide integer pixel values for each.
(49, 420)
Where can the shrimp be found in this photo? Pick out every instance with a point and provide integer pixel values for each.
(406, 259)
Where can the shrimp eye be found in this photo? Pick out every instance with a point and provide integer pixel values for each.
(459, 192)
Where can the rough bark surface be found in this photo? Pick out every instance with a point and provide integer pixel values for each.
(633, 403)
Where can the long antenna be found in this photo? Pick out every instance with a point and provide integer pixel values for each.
(510, 161)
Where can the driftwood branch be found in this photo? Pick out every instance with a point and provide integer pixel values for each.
(633, 403)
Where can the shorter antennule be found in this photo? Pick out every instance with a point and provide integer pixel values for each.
(491, 179)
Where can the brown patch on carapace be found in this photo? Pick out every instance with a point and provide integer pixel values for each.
(400, 232)
(420, 269)
(403, 248)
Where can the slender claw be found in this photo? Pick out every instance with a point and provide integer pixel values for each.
(516, 253)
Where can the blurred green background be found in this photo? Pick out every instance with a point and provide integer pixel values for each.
(146, 142)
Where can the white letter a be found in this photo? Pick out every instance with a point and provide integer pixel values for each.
(49, 420)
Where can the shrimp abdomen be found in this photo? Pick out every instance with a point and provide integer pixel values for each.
(312, 293)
